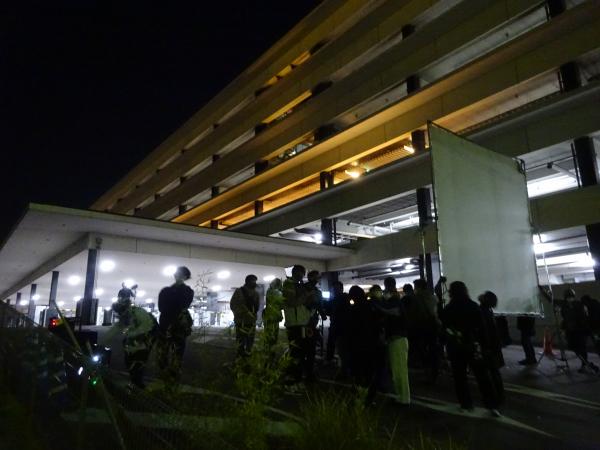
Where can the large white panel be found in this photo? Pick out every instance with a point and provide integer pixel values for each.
(484, 230)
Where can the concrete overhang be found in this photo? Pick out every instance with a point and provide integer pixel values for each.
(47, 236)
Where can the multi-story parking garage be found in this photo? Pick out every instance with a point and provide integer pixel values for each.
(318, 140)
(323, 139)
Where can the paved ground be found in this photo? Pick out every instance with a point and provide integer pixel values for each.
(546, 408)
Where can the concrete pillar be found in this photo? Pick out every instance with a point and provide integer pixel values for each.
(31, 307)
(87, 307)
(214, 224)
(18, 301)
(327, 231)
(424, 209)
(260, 166)
(258, 207)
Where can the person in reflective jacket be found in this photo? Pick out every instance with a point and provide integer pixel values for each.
(139, 329)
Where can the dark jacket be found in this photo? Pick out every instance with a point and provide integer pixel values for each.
(575, 318)
(172, 301)
(464, 327)
(526, 325)
(493, 350)
(393, 314)
(244, 304)
(338, 309)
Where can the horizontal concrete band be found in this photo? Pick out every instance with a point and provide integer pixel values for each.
(431, 103)
(327, 17)
(433, 41)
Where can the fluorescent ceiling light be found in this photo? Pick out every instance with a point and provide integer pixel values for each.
(61, 303)
(409, 148)
(74, 280)
(149, 300)
(169, 270)
(216, 288)
(77, 298)
(107, 265)
(35, 297)
(23, 302)
(268, 278)
(223, 274)
(141, 293)
(129, 282)
(352, 173)
(99, 291)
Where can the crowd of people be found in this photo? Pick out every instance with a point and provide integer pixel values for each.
(375, 334)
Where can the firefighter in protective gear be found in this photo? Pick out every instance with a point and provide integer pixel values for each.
(139, 328)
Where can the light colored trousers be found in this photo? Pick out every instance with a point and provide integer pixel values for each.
(398, 357)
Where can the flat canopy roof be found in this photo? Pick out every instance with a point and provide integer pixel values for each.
(46, 236)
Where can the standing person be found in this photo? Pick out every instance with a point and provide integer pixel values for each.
(297, 317)
(396, 336)
(465, 332)
(272, 315)
(175, 325)
(339, 328)
(493, 353)
(429, 326)
(593, 309)
(314, 302)
(526, 325)
(576, 326)
(363, 337)
(139, 328)
(244, 304)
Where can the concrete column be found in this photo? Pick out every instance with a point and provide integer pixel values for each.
(214, 224)
(424, 209)
(260, 166)
(87, 308)
(258, 207)
(327, 231)
(18, 301)
(31, 307)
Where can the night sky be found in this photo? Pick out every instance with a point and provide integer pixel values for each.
(88, 88)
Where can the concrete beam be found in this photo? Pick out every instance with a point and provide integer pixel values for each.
(321, 22)
(64, 255)
(403, 244)
(534, 53)
(458, 26)
(171, 249)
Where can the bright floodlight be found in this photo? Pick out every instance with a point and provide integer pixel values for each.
(107, 265)
(74, 280)
(223, 274)
(77, 298)
(95, 358)
(215, 288)
(268, 278)
(23, 302)
(169, 271)
(129, 282)
(36, 297)
(149, 300)
(99, 292)
(61, 303)
(141, 293)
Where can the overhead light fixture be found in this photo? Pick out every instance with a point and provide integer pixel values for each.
(216, 288)
(129, 282)
(268, 278)
(61, 303)
(409, 266)
(107, 265)
(223, 274)
(114, 299)
(36, 297)
(77, 298)
(141, 293)
(409, 148)
(352, 173)
(74, 280)
(169, 271)
(23, 302)
(149, 300)
(99, 291)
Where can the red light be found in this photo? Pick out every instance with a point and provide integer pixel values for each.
(54, 322)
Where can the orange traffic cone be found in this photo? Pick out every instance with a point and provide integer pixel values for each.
(548, 351)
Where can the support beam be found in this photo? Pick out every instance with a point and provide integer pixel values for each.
(31, 307)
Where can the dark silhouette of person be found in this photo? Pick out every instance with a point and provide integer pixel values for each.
(576, 326)
(526, 326)
(465, 339)
(175, 325)
(244, 304)
(493, 351)
(593, 309)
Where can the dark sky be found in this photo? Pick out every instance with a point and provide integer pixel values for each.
(88, 88)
